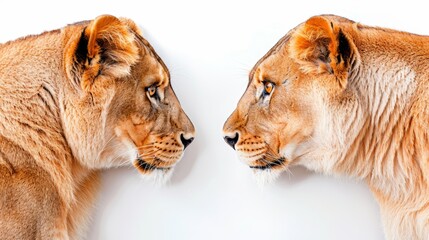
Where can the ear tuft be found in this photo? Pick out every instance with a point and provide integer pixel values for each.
(321, 47)
(106, 50)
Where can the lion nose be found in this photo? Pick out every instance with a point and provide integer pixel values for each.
(185, 141)
(231, 140)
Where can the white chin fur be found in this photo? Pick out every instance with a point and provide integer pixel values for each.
(265, 177)
(158, 177)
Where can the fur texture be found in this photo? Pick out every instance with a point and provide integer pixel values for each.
(345, 99)
(73, 101)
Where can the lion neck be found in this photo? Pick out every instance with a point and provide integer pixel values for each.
(84, 125)
(29, 113)
(32, 111)
(375, 133)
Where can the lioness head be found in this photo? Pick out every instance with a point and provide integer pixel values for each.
(282, 116)
(124, 107)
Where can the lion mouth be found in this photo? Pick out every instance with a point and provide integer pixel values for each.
(274, 164)
(144, 166)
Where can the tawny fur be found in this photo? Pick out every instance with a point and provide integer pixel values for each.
(349, 99)
(74, 101)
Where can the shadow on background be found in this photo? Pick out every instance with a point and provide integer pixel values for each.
(187, 163)
(295, 175)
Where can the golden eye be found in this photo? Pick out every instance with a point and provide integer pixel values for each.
(151, 91)
(268, 88)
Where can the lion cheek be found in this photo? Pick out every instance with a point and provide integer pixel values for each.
(288, 151)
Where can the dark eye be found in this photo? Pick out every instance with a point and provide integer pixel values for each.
(152, 92)
(268, 88)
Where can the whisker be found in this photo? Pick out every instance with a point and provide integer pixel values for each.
(103, 148)
(148, 154)
(149, 145)
(290, 173)
(271, 158)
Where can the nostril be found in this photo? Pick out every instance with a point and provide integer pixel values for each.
(231, 141)
(185, 141)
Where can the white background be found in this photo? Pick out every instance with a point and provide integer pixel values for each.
(209, 47)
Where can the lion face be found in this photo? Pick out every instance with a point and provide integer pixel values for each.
(281, 118)
(125, 87)
(146, 115)
(273, 117)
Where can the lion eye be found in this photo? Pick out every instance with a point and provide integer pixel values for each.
(152, 92)
(268, 88)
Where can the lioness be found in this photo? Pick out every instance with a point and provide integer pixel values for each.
(343, 98)
(89, 96)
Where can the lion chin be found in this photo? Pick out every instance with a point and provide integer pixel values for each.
(266, 173)
(266, 176)
(158, 175)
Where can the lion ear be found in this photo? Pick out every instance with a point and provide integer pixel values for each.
(106, 49)
(320, 46)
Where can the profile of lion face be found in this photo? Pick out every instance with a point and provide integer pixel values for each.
(342, 98)
(86, 97)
